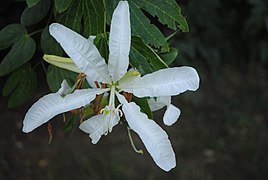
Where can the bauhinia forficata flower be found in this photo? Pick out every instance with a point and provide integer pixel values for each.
(117, 79)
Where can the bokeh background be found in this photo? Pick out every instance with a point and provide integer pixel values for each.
(222, 132)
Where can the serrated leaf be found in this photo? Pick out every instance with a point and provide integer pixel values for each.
(32, 3)
(62, 5)
(10, 34)
(56, 75)
(21, 84)
(35, 14)
(145, 108)
(170, 56)
(21, 52)
(93, 17)
(49, 45)
(146, 58)
(140, 25)
(73, 16)
(167, 11)
(101, 42)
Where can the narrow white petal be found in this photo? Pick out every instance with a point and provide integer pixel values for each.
(65, 88)
(119, 41)
(164, 82)
(171, 115)
(94, 126)
(152, 135)
(159, 102)
(53, 104)
(82, 51)
(111, 120)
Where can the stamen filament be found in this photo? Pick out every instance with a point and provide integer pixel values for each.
(140, 151)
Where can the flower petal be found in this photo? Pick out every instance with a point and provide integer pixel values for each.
(53, 104)
(153, 136)
(64, 89)
(99, 125)
(82, 51)
(171, 115)
(159, 102)
(94, 126)
(164, 82)
(119, 41)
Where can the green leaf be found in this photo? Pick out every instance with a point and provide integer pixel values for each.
(170, 56)
(21, 84)
(93, 17)
(101, 42)
(21, 52)
(56, 75)
(32, 15)
(71, 123)
(49, 45)
(73, 16)
(144, 58)
(10, 34)
(167, 11)
(140, 25)
(32, 3)
(145, 108)
(62, 5)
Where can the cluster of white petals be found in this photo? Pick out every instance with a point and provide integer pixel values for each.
(159, 85)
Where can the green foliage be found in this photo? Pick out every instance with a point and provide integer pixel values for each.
(167, 11)
(20, 85)
(62, 5)
(144, 58)
(32, 3)
(150, 50)
(11, 34)
(145, 108)
(169, 57)
(21, 52)
(101, 43)
(73, 16)
(56, 75)
(93, 17)
(35, 14)
(49, 45)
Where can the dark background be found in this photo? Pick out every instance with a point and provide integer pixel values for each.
(222, 132)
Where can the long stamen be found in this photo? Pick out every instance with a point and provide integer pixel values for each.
(140, 151)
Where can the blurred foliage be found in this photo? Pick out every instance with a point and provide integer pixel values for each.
(150, 49)
(225, 32)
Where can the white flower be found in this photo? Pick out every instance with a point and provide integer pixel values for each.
(165, 82)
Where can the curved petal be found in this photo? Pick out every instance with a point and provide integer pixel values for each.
(119, 41)
(171, 115)
(64, 89)
(82, 51)
(111, 119)
(159, 102)
(152, 135)
(164, 82)
(53, 104)
(99, 125)
(94, 126)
